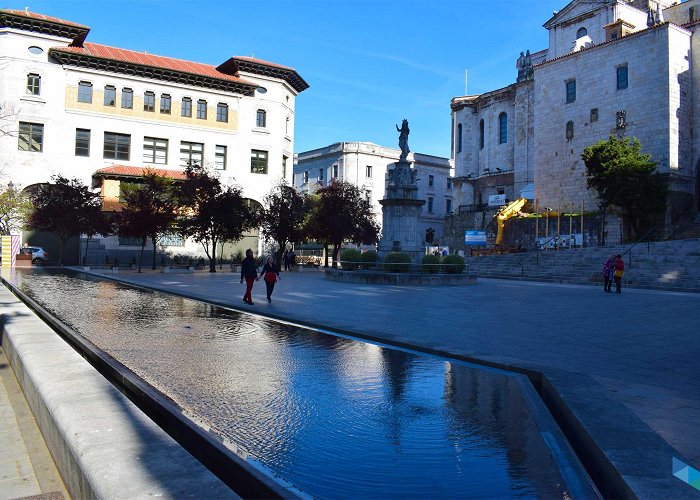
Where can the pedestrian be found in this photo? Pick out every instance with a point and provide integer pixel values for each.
(270, 275)
(608, 272)
(619, 273)
(285, 259)
(292, 259)
(249, 272)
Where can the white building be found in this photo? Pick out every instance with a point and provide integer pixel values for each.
(365, 165)
(76, 107)
(613, 67)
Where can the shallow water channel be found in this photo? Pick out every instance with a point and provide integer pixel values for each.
(336, 417)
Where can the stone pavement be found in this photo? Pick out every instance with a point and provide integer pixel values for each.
(642, 347)
(26, 468)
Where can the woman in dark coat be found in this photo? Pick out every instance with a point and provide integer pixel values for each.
(271, 275)
(249, 272)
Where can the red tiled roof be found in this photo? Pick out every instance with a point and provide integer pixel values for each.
(152, 60)
(127, 171)
(42, 17)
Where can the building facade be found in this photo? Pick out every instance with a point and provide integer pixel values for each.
(365, 165)
(73, 107)
(615, 67)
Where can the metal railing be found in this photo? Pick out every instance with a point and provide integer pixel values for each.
(640, 240)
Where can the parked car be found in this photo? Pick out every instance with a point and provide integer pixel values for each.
(39, 255)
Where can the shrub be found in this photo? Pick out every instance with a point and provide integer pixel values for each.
(431, 264)
(397, 262)
(349, 258)
(368, 259)
(453, 264)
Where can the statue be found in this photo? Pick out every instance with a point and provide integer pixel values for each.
(403, 138)
(524, 66)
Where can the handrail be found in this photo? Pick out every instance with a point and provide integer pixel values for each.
(629, 250)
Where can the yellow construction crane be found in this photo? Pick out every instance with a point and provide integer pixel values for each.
(510, 210)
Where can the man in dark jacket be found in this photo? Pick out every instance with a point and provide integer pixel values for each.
(249, 272)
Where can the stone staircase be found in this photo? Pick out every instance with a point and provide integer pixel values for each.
(667, 265)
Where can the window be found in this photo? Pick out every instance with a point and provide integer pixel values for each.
(33, 84)
(165, 103)
(622, 77)
(186, 107)
(127, 98)
(284, 165)
(261, 118)
(117, 146)
(594, 115)
(171, 240)
(459, 138)
(502, 128)
(569, 130)
(149, 101)
(571, 91)
(202, 109)
(126, 241)
(430, 203)
(368, 171)
(220, 158)
(431, 180)
(191, 152)
(581, 32)
(448, 206)
(306, 177)
(258, 161)
(449, 183)
(155, 150)
(222, 112)
(31, 137)
(85, 92)
(481, 134)
(320, 174)
(82, 142)
(335, 171)
(110, 95)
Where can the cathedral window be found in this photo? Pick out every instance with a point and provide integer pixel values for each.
(481, 134)
(622, 77)
(459, 138)
(502, 128)
(569, 130)
(570, 91)
(581, 33)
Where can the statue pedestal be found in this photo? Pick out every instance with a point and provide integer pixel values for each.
(401, 210)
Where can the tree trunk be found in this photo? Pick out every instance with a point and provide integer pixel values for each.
(60, 250)
(143, 245)
(212, 259)
(336, 250)
(325, 254)
(153, 267)
(278, 254)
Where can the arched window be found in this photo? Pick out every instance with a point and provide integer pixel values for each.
(502, 128)
(459, 138)
(581, 33)
(481, 134)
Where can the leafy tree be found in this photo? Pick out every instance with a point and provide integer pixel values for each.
(66, 208)
(283, 218)
(15, 206)
(625, 177)
(212, 212)
(341, 212)
(149, 210)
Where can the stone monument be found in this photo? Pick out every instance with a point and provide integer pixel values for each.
(401, 207)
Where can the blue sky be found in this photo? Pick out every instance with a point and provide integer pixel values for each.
(369, 63)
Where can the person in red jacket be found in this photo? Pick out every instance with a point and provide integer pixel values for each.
(619, 273)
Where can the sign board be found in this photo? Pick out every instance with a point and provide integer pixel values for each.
(496, 200)
(474, 237)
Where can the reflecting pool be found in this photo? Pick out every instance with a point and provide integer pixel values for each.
(336, 417)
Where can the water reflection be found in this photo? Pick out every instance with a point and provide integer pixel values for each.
(335, 417)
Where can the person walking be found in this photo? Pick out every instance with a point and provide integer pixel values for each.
(270, 275)
(608, 272)
(285, 259)
(619, 273)
(249, 272)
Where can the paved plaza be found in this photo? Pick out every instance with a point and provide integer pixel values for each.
(641, 347)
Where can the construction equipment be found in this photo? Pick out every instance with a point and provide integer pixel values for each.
(510, 210)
